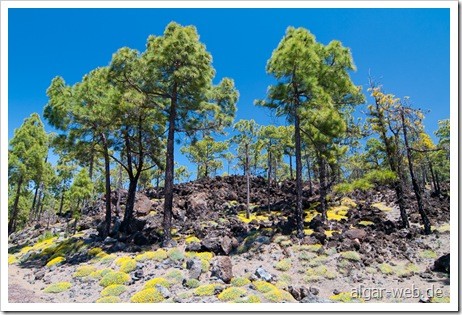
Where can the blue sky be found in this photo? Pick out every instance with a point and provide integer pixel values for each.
(406, 49)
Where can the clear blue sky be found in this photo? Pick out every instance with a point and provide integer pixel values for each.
(406, 49)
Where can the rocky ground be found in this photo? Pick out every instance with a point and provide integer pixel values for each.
(360, 255)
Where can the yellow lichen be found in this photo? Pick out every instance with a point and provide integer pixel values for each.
(150, 295)
(58, 287)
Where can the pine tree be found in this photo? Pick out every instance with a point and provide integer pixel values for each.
(28, 149)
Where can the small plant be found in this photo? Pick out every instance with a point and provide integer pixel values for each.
(344, 297)
(114, 277)
(444, 299)
(350, 255)
(95, 251)
(56, 261)
(158, 255)
(239, 282)
(174, 276)
(47, 235)
(315, 248)
(320, 260)
(157, 281)
(175, 254)
(84, 271)
(249, 299)
(283, 265)
(12, 259)
(428, 254)
(105, 258)
(150, 295)
(205, 290)
(113, 290)
(109, 299)
(205, 255)
(192, 283)
(348, 202)
(307, 256)
(278, 295)
(192, 239)
(263, 286)
(58, 287)
(98, 274)
(231, 294)
(386, 269)
(381, 206)
(128, 266)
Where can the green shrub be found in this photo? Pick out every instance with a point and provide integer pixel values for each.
(263, 286)
(278, 295)
(381, 177)
(231, 294)
(350, 255)
(307, 256)
(283, 265)
(55, 261)
(428, 254)
(386, 269)
(84, 271)
(150, 295)
(105, 258)
(114, 290)
(344, 297)
(320, 260)
(47, 235)
(175, 276)
(175, 254)
(249, 299)
(114, 277)
(128, 265)
(158, 255)
(98, 274)
(95, 251)
(58, 287)
(109, 299)
(205, 290)
(157, 281)
(192, 283)
(239, 282)
(315, 248)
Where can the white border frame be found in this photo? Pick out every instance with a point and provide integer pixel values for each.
(452, 306)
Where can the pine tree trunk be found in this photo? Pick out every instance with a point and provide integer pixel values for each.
(309, 174)
(432, 173)
(169, 170)
(322, 187)
(32, 209)
(14, 212)
(269, 181)
(415, 186)
(290, 166)
(298, 178)
(61, 203)
(247, 176)
(107, 176)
